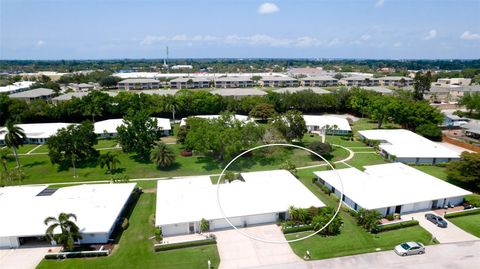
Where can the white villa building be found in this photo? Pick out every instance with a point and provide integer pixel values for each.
(98, 208)
(36, 133)
(241, 118)
(315, 123)
(408, 147)
(182, 203)
(108, 128)
(391, 188)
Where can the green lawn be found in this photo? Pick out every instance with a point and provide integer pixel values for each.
(436, 171)
(367, 124)
(106, 143)
(135, 250)
(470, 223)
(352, 239)
(26, 148)
(362, 159)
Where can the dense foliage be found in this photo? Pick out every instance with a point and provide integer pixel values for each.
(138, 133)
(467, 169)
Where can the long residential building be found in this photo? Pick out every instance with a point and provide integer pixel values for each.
(138, 84)
(189, 83)
(233, 82)
(396, 81)
(276, 82)
(32, 95)
(318, 81)
(359, 81)
(36, 133)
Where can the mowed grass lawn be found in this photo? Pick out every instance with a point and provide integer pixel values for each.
(352, 239)
(39, 169)
(135, 249)
(470, 223)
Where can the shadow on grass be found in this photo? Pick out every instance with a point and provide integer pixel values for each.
(209, 163)
(172, 167)
(33, 164)
(126, 213)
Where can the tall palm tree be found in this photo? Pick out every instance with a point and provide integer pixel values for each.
(162, 155)
(14, 137)
(334, 129)
(110, 160)
(69, 230)
(172, 106)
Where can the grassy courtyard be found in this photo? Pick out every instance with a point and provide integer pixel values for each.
(352, 239)
(470, 223)
(135, 249)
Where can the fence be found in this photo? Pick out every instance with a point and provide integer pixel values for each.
(460, 143)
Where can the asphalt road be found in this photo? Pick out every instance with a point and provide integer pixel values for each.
(444, 256)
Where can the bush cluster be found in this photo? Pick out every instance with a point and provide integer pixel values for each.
(163, 247)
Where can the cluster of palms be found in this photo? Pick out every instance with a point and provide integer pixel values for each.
(70, 233)
(14, 138)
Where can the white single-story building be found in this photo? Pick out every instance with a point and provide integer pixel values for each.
(262, 197)
(408, 147)
(241, 118)
(391, 188)
(316, 123)
(36, 133)
(108, 128)
(98, 208)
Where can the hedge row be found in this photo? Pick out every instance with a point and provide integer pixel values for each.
(297, 229)
(463, 213)
(163, 247)
(399, 225)
(77, 254)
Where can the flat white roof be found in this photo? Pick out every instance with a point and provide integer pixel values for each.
(241, 118)
(392, 184)
(110, 126)
(96, 206)
(38, 130)
(16, 86)
(323, 120)
(193, 198)
(407, 144)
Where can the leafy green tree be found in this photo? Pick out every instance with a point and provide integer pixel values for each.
(162, 155)
(95, 104)
(110, 81)
(73, 145)
(5, 102)
(138, 133)
(323, 217)
(290, 167)
(471, 103)
(324, 149)
(4, 158)
(467, 169)
(298, 215)
(263, 111)
(291, 125)
(380, 109)
(109, 160)
(421, 84)
(69, 230)
(430, 131)
(204, 225)
(14, 138)
(368, 219)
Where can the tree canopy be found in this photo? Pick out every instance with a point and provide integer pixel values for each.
(291, 125)
(467, 169)
(138, 133)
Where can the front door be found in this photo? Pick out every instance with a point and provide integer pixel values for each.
(434, 204)
(191, 228)
(398, 209)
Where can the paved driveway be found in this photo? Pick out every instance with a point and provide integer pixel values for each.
(450, 234)
(22, 258)
(239, 251)
(465, 255)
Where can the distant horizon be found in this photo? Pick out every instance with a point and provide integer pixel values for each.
(141, 29)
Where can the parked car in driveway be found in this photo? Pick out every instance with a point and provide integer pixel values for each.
(410, 248)
(437, 220)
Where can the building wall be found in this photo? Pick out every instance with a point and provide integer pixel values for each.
(9, 242)
(175, 229)
(95, 238)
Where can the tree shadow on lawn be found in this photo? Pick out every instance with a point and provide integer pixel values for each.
(90, 163)
(173, 167)
(209, 163)
(140, 159)
(33, 164)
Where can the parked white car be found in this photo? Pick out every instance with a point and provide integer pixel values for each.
(410, 248)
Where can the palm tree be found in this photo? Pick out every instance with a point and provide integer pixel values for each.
(110, 160)
(14, 138)
(172, 106)
(70, 231)
(162, 155)
(334, 129)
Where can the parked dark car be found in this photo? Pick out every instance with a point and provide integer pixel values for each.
(437, 220)
(468, 206)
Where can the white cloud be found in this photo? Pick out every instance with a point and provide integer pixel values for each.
(397, 44)
(365, 37)
(40, 43)
(149, 40)
(268, 8)
(470, 36)
(431, 35)
(379, 3)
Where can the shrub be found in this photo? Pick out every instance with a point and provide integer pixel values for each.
(158, 234)
(125, 223)
(323, 188)
(297, 229)
(77, 254)
(186, 153)
(430, 131)
(290, 167)
(399, 225)
(463, 213)
(323, 149)
(323, 217)
(163, 247)
(204, 225)
(389, 217)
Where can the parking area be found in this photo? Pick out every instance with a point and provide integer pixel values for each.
(239, 251)
(450, 234)
(23, 258)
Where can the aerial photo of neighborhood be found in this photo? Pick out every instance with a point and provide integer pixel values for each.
(239, 134)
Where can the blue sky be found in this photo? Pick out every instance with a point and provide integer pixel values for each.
(87, 29)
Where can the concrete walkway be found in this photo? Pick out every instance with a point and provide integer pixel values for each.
(450, 234)
(464, 255)
(239, 251)
(23, 258)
